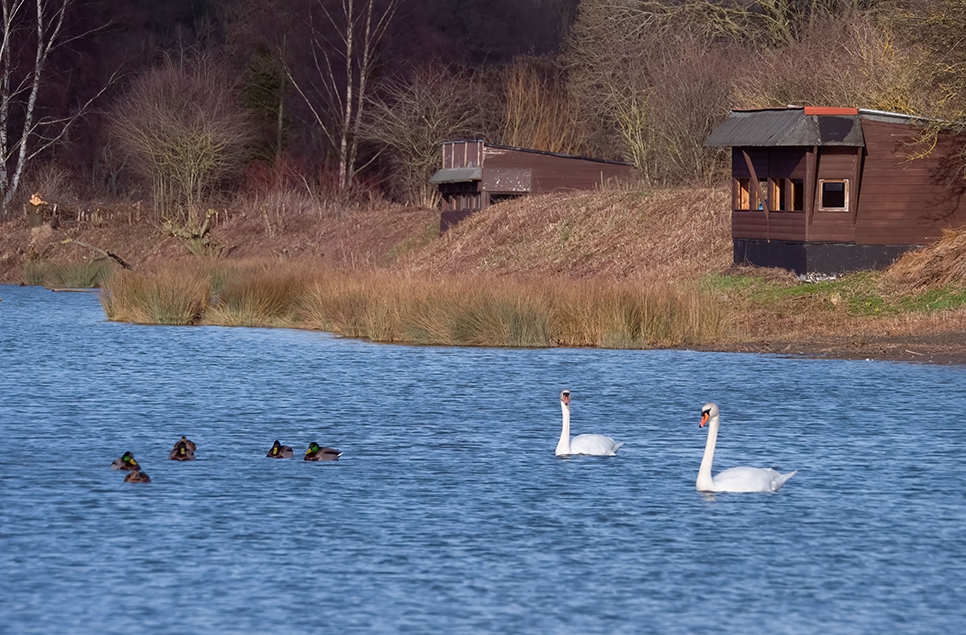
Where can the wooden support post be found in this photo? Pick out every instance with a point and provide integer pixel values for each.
(811, 180)
(854, 190)
(758, 193)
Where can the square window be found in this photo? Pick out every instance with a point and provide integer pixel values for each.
(834, 195)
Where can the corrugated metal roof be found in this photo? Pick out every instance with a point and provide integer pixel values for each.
(787, 127)
(456, 175)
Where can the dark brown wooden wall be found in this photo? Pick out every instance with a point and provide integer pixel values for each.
(776, 163)
(904, 202)
(895, 201)
(776, 226)
(833, 163)
(551, 173)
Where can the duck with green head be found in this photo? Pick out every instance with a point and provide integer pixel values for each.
(126, 462)
(280, 451)
(321, 453)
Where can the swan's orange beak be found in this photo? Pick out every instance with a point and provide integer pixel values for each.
(566, 400)
(704, 419)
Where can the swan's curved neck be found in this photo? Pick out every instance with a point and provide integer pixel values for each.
(563, 446)
(705, 482)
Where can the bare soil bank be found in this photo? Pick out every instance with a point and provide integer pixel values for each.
(671, 235)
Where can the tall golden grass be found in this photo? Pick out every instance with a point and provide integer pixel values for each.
(173, 297)
(394, 306)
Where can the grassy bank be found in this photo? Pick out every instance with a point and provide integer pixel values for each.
(394, 306)
(720, 310)
(621, 268)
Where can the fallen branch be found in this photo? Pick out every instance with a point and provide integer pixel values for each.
(103, 252)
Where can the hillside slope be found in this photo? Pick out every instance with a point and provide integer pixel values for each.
(663, 234)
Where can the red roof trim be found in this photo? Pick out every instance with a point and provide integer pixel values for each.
(824, 110)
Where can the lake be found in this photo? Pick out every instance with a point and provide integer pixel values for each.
(448, 511)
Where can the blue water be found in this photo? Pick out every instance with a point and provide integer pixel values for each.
(448, 512)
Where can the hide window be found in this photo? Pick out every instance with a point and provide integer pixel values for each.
(778, 195)
(742, 193)
(834, 195)
(785, 195)
(796, 194)
(762, 191)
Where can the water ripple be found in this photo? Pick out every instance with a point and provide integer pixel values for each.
(448, 511)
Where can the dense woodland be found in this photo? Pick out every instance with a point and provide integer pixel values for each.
(316, 104)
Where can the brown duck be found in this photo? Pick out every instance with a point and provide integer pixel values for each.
(137, 476)
(188, 443)
(182, 451)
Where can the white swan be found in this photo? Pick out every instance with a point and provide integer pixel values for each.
(592, 444)
(736, 479)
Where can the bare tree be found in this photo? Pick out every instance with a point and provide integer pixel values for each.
(184, 129)
(854, 62)
(935, 32)
(655, 90)
(538, 111)
(344, 55)
(31, 32)
(414, 117)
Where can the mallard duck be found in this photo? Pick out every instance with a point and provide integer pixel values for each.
(182, 451)
(137, 476)
(321, 453)
(188, 443)
(126, 462)
(280, 451)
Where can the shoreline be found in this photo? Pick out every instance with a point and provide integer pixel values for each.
(943, 348)
(608, 236)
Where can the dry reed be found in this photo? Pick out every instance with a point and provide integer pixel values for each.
(937, 265)
(171, 297)
(256, 295)
(387, 306)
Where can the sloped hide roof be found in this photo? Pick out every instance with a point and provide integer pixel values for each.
(789, 127)
(456, 175)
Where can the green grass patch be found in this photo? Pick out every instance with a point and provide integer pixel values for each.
(428, 235)
(857, 294)
(726, 282)
(935, 300)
